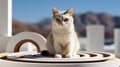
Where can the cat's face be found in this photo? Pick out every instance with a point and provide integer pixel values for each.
(62, 18)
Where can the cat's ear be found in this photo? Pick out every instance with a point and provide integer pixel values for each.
(70, 10)
(54, 10)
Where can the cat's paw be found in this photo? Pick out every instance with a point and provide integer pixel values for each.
(76, 56)
(69, 56)
(58, 56)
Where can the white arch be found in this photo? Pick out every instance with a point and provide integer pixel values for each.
(39, 39)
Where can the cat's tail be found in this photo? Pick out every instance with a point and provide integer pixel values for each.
(46, 53)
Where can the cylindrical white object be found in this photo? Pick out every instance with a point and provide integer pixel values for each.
(95, 37)
(5, 17)
(117, 40)
(37, 38)
(3, 43)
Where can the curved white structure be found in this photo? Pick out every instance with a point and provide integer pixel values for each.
(26, 61)
(5, 63)
(16, 41)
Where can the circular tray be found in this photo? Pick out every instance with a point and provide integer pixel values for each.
(85, 57)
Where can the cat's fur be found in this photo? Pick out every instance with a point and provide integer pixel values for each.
(63, 41)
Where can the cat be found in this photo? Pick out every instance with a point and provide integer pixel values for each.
(63, 40)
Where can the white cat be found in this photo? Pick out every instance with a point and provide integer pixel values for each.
(63, 41)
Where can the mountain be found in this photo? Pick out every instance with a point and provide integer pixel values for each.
(18, 26)
(80, 21)
(90, 18)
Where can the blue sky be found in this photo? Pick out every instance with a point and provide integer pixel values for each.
(34, 10)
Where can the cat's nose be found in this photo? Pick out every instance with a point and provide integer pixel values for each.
(63, 23)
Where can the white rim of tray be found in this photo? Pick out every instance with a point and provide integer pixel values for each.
(87, 57)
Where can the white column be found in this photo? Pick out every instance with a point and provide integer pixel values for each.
(95, 38)
(117, 40)
(5, 17)
(5, 23)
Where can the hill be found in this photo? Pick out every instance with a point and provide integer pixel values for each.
(80, 21)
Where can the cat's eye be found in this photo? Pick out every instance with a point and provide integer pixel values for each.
(66, 19)
(58, 20)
